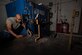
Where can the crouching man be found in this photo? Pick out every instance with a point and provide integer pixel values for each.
(14, 26)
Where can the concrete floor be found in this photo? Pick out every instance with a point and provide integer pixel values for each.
(45, 46)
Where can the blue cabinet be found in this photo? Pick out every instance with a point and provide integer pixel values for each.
(11, 9)
(21, 6)
(16, 7)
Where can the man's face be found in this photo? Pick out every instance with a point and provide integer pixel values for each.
(18, 18)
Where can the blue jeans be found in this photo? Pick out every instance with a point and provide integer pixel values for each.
(23, 32)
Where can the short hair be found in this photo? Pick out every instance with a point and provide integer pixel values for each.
(18, 14)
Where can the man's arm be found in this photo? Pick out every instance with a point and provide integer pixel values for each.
(8, 24)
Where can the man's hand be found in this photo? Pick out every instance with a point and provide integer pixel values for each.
(23, 24)
(19, 36)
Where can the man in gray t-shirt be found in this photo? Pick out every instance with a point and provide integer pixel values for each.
(14, 26)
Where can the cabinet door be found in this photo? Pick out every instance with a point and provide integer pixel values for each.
(11, 9)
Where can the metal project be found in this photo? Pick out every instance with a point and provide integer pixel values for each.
(37, 22)
(31, 9)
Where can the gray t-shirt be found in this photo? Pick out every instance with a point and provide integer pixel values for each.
(15, 25)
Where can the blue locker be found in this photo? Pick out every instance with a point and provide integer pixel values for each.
(11, 9)
(21, 7)
(16, 7)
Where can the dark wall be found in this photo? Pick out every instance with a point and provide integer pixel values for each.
(80, 25)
